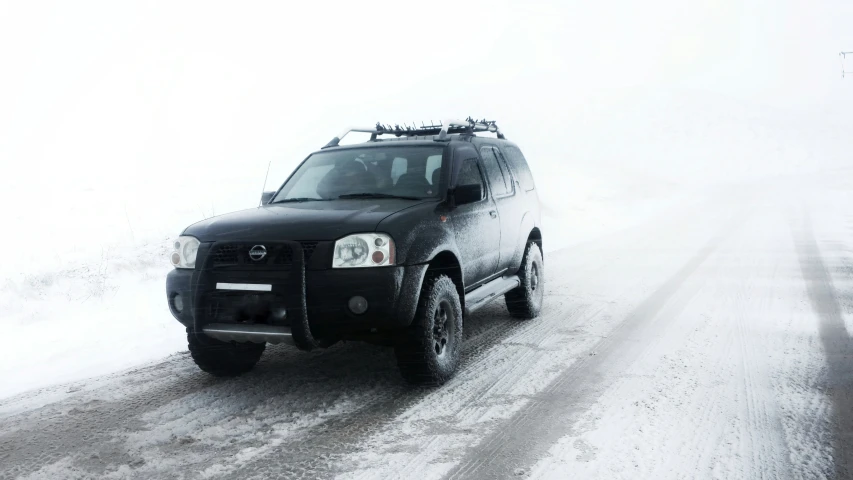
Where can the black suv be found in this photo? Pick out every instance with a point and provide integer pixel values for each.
(393, 241)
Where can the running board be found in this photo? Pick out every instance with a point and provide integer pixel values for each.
(476, 299)
(255, 333)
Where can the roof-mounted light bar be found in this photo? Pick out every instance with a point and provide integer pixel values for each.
(442, 130)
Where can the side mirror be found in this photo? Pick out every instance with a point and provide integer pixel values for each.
(468, 194)
(266, 197)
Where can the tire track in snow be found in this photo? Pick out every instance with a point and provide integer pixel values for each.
(836, 342)
(134, 426)
(756, 436)
(704, 400)
(484, 352)
(529, 434)
(761, 414)
(52, 433)
(170, 421)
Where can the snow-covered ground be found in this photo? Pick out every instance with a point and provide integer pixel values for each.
(707, 342)
(89, 318)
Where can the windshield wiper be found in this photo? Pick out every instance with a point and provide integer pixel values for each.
(378, 195)
(300, 199)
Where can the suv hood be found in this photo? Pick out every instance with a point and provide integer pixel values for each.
(324, 220)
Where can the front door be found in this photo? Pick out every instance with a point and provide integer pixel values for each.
(477, 228)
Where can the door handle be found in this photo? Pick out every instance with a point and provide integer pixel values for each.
(493, 214)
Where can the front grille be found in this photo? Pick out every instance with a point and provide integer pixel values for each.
(226, 255)
(236, 255)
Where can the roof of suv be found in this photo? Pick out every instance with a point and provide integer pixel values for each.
(428, 140)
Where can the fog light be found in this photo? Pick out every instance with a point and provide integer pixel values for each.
(358, 305)
(178, 303)
(279, 314)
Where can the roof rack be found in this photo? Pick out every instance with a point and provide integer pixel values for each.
(447, 127)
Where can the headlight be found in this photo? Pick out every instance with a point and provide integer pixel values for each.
(364, 250)
(186, 249)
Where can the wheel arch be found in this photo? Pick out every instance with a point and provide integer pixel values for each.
(528, 232)
(446, 263)
(536, 236)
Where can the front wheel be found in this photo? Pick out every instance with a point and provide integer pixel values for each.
(525, 301)
(429, 351)
(223, 359)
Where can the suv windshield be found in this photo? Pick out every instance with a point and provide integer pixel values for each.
(379, 172)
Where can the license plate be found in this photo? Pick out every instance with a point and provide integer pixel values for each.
(249, 287)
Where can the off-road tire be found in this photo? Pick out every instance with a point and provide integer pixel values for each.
(223, 359)
(428, 351)
(525, 301)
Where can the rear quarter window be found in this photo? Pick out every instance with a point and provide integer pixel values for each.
(519, 165)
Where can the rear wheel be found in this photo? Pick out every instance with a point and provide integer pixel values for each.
(223, 359)
(525, 301)
(428, 352)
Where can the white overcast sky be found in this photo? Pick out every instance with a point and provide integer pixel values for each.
(173, 97)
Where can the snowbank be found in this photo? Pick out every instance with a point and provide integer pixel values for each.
(87, 319)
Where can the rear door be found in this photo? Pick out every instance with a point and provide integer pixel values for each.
(524, 180)
(476, 225)
(510, 209)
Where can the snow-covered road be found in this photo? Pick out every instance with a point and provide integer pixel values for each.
(711, 341)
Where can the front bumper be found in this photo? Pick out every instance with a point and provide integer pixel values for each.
(391, 294)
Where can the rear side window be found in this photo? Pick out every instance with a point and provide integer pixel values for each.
(520, 167)
(498, 178)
